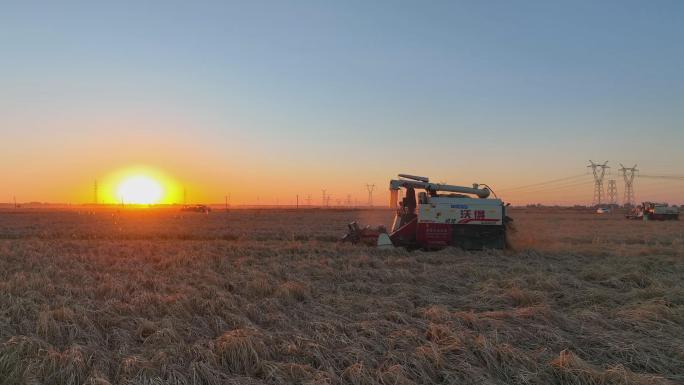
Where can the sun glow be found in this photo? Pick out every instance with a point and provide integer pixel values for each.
(140, 185)
(140, 189)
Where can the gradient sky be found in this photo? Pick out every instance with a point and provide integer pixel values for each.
(273, 99)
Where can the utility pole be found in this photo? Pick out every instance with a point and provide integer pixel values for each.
(370, 188)
(628, 174)
(95, 193)
(599, 171)
(308, 200)
(297, 201)
(185, 196)
(15, 201)
(612, 192)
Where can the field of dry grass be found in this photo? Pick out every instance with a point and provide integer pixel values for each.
(251, 297)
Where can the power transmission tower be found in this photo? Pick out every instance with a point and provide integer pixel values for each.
(599, 171)
(612, 192)
(95, 193)
(323, 201)
(349, 203)
(308, 200)
(185, 197)
(628, 174)
(370, 188)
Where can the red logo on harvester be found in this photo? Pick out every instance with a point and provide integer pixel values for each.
(477, 216)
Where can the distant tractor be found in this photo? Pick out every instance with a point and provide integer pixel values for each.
(649, 211)
(197, 209)
(441, 215)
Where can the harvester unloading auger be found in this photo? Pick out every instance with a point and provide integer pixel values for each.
(441, 215)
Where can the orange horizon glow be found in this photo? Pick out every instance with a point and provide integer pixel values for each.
(277, 187)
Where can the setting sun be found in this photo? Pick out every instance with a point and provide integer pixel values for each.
(140, 189)
(140, 185)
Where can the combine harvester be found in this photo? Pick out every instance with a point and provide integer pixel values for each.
(649, 211)
(441, 215)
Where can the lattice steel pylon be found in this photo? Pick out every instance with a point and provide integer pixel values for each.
(612, 192)
(628, 174)
(370, 188)
(599, 171)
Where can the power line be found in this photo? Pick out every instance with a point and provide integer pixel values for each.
(668, 177)
(550, 188)
(567, 178)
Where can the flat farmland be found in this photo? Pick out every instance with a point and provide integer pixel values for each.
(156, 296)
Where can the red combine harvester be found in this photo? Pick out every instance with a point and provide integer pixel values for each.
(441, 215)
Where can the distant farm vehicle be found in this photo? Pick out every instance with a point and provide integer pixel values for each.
(649, 211)
(197, 209)
(440, 216)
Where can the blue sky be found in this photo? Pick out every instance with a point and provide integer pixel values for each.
(337, 94)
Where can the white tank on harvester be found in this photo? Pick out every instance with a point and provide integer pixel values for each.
(433, 215)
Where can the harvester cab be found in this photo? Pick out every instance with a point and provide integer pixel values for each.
(433, 215)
